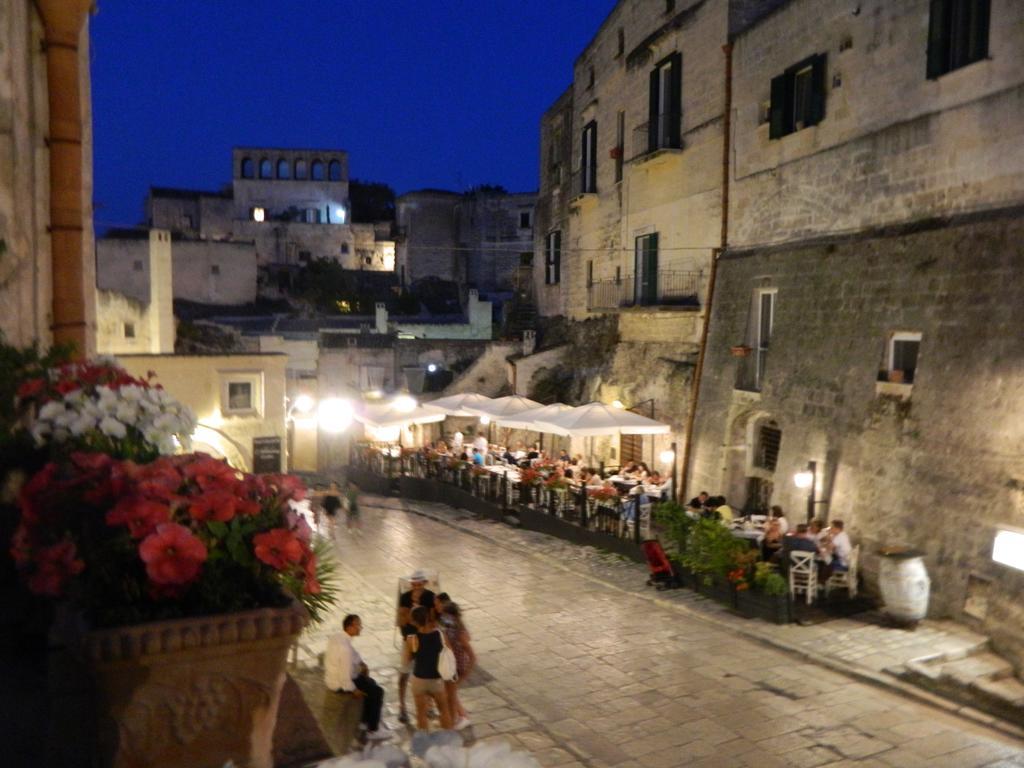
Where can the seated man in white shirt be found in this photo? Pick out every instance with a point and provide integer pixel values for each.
(345, 672)
(841, 546)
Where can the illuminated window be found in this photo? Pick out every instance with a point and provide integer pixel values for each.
(1008, 548)
(241, 393)
(259, 214)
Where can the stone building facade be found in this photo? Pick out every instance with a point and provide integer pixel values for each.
(30, 152)
(478, 239)
(870, 287)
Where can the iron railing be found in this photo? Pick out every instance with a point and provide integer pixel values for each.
(666, 136)
(666, 288)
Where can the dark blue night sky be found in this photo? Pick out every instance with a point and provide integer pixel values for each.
(428, 93)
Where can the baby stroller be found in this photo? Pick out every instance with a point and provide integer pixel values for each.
(663, 571)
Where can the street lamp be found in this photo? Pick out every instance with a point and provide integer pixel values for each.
(808, 479)
(335, 414)
(303, 404)
(670, 456)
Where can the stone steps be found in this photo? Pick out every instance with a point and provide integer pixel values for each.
(979, 678)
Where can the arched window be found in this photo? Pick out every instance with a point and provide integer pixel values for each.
(247, 168)
(334, 171)
(266, 169)
(317, 171)
(300, 169)
(284, 170)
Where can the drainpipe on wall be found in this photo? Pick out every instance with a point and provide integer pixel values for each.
(715, 254)
(63, 21)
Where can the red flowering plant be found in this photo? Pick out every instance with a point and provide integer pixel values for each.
(603, 494)
(180, 536)
(556, 482)
(530, 477)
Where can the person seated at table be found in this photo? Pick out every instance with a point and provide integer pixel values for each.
(629, 470)
(772, 541)
(563, 455)
(837, 549)
(780, 516)
(800, 540)
(818, 530)
(478, 457)
(698, 502)
(724, 511)
(534, 452)
(591, 478)
(441, 448)
(642, 472)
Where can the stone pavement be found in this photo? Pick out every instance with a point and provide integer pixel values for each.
(584, 666)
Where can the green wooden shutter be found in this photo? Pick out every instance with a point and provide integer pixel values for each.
(938, 38)
(652, 123)
(818, 88)
(675, 107)
(780, 108)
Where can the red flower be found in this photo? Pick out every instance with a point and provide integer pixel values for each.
(67, 385)
(287, 487)
(173, 556)
(311, 584)
(140, 516)
(213, 505)
(31, 388)
(54, 565)
(21, 545)
(33, 507)
(278, 548)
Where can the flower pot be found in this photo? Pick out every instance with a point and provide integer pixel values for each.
(904, 584)
(740, 350)
(718, 589)
(896, 377)
(615, 153)
(757, 605)
(192, 692)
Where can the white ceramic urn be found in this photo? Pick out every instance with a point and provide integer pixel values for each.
(904, 583)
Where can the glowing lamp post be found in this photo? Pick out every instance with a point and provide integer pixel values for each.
(808, 479)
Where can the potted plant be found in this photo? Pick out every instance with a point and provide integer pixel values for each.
(712, 553)
(677, 525)
(768, 597)
(740, 350)
(615, 153)
(188, 580)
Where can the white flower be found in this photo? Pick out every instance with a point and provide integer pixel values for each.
(51, 410)
(127, 412)
(82, 424)
(113, 428)
(39, 432)
(131, 392)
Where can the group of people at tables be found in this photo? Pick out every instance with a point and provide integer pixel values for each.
(634, 479)
(830, 543)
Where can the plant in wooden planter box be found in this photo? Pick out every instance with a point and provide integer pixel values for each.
(712, 551)
(769, 597)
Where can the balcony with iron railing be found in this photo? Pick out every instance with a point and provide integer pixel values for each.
(667, 289)
(662, 138)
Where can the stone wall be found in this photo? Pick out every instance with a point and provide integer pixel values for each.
(893, 145)
(552, 208)
(428, 219)
(938, 468)
(122, 325)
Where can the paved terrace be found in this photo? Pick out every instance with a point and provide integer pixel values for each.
(583, 665)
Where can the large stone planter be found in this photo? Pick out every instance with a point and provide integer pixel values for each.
(757, 605)
(904, 584)
(192, 693)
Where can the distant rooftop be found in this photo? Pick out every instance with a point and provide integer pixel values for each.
(185, 194)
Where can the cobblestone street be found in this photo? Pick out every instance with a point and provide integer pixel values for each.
(579, 672)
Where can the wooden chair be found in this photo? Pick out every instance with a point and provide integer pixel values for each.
(803, 575)
(847, 578)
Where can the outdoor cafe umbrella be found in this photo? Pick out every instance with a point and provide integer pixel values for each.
(596, 419)
(459, 405)
(510, 405)
(397, 414)
(532, 418)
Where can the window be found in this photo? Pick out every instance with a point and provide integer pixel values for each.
(371, 377)
(670, 5)
(284, 169)
(620, 140)
(137, 265)
(766, 449)
(620, 46)
(525, 259)
(129, 330)
(215, 269)
(798, 97)
(901, 357)
(666, 91)
(259, 214)
(247, 168)
(334, 170)
(553, 258)
(266, 169)
(317, 171)
(760, 327)
(590, 77)
(590, 273)
(646, 280)
(241, 393)
(300, 169)
(312, 216)
(344, 247)
(524, 219)
(957, 34)
(588, 159)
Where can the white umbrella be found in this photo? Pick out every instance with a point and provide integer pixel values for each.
(505, 406)
(459, 405)
(531, 419)
(594, 419)
(397, 414)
